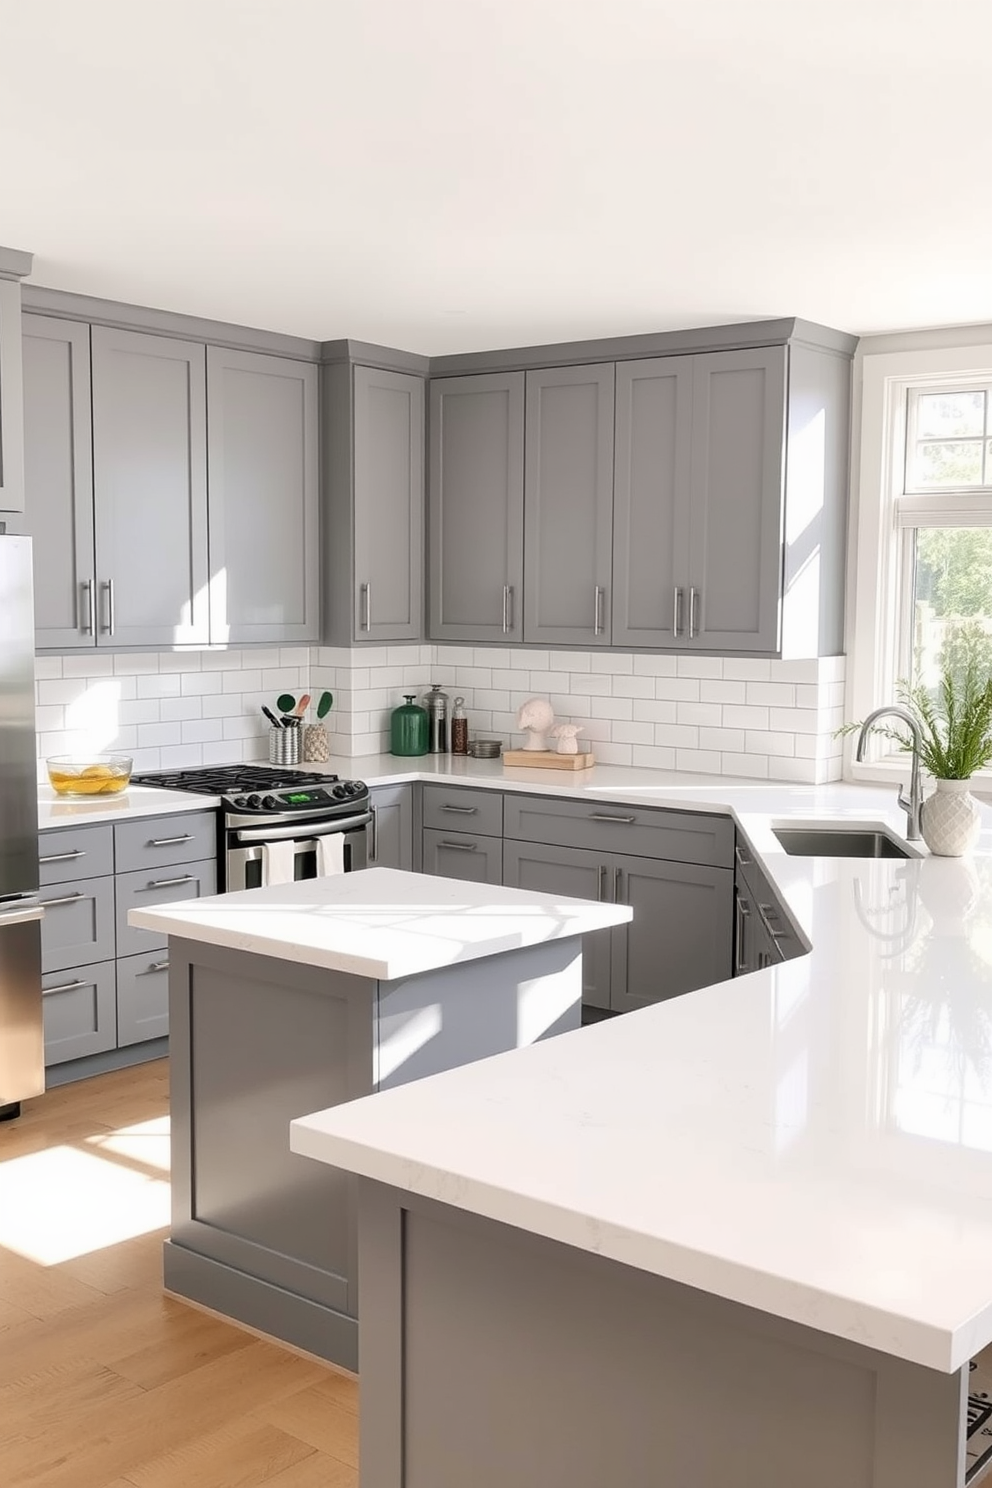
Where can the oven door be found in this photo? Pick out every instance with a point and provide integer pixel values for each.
(244, 858)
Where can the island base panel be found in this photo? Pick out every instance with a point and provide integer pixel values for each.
(492, 1356)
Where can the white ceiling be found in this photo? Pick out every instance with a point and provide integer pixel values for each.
(443, 175)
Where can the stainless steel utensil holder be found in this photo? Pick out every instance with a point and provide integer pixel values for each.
(284, 746)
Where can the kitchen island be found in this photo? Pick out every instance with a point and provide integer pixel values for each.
(744, 1236)
(308, 994)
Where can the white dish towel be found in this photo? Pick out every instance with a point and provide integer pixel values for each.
(330, 854)
(278, 863)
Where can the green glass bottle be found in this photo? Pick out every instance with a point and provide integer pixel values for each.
(408, 728)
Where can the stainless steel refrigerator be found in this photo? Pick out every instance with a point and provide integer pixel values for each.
(22, 1052)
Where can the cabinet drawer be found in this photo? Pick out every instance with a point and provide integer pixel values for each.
(457, 809)
(679, 836)
(78, 927)
(76, 852)
(159, 840)
(474, 859)
(144, 890)
(80, 1010)
(143, 997)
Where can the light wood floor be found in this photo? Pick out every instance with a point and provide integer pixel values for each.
(104, 1381)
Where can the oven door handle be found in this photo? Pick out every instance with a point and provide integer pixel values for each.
(304, 830)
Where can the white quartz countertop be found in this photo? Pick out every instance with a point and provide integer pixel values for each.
(814, 1140)
(381, 923)
(138, 800)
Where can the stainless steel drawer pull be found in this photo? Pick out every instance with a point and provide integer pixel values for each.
(152, 967)
(603, 816)
(462, 810)
(506, 608)
(77, 852)
(601, 896)
(65, 987)
(693, 613)
(677, 613)
(169, 841)
(597, 619)
(618, 887)
(88, 621)
(66, 899)
(167, 883)
(742, 857)
(109, 590)
(366, 620)
(461, 846)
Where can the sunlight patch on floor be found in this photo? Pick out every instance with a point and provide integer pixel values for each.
(63, 1203)
(146, 1142)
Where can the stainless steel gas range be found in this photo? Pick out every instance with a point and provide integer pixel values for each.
(262, 806)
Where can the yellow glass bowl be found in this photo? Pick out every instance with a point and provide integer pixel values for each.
(89, 775)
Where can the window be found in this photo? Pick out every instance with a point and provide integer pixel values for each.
(921, 534)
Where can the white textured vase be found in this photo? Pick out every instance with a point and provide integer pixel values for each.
(950, 819)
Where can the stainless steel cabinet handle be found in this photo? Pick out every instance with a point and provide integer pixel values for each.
(768, 913)
(509, 607)
(88, 620)
(742, 856)
(597, 618)
(743, 910)
(66, 857)
(373, 834)
(693, 613)
(618, 886)
(604, 816)
(154, 966)
(63, 987)
(366, 623)
(461, 846)
(65, 899)
(169, 841)
(677, 612)
(108, 588)
(506, 608)
(167, 883)
(602, 883)
(462, 810)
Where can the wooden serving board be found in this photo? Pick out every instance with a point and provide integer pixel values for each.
(547, 759)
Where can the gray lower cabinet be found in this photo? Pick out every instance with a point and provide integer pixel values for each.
(78, 926)
(390, 838)
(58, 480)
(80, 1011)
(581, 874)
(463, 855)
(764, 935)
(568, 505)
(148, 887)
(388, 599)
(262, 497)
(11, 399)
(150, 489)
(143, 997)
(477, 507)
(681, 936)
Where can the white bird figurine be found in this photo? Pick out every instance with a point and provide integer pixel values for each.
(535, 718)
(565, 734)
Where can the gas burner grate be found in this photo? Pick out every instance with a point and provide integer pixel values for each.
(222, 780)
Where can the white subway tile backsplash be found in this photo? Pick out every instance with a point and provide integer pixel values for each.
(753, 765)
(569, 661)
(543, 682)
(633, 733)
(652, 757)
(142, 710)
(48, 667)
(483, 656)
(677, 689)
(611, 707)
(242, 682)
(708, 714)
(178, 709)
(705, 761)
(589, 684)
(681, 735)
(654, 710)
(746, 669)
(223, 661)
(745, 717)
(766, 742)
(613, 753)
(796, 720)
(60, 691)
(199, 683)
(771, 694)
(724, 739)
(634, 687)
(202, 730)
(87, 664)
(710, 667)
(159, 685)
(131, 665)
(722, 692)
(654, 666)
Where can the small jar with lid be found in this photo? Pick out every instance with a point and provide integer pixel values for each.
(436, 703)
(459, 728)
(408, 728)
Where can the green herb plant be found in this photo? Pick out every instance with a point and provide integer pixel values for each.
(955, 725)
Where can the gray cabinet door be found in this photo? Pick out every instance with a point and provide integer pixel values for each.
(738, 471)
(651, 501)
(58, 480)
(143, 997)
(389, 506)
(80, 1012)
(75, 852)
(581, 875)
(681, 936)
(391, 833)
(461, 855)
(148, 887)
(477, 508)
(262, 497)
(78, 927)
(150, 489)
(11, 399)
(568, 505)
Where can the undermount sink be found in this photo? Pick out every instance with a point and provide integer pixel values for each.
(840, 842)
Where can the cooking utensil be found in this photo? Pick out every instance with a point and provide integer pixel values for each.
(302, 706)
(285, 702)
(271, 717)
(325, 704)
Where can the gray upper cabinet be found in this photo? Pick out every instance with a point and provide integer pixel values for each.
(263, 497)
(150, 489)
(477, 507)
(11, 399)
(737, 490)
(388, 593)
(651, 510)
(58, 470)
(568, 507)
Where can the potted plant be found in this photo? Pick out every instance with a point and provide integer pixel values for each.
(956, 740)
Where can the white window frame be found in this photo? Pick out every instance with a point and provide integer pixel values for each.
(880, 567)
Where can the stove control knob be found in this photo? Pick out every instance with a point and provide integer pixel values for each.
(253, 801)
(241, 800)
(357, 787)
(339, 792)
(270, 803)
